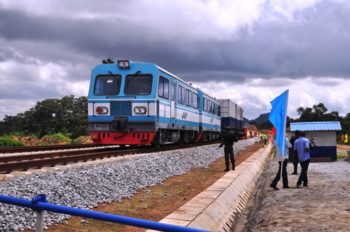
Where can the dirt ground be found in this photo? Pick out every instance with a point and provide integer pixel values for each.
(156, 202)
(343, 147)
(323, 206)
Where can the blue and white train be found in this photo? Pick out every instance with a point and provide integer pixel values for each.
(138, 103)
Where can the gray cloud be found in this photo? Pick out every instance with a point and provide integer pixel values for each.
(59, 43)
(313, 44)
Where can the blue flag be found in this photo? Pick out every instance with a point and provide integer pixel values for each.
(278, 118)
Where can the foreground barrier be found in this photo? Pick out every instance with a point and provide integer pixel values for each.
(39, 204)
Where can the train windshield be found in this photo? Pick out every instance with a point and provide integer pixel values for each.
(138, 84)
(107, 85)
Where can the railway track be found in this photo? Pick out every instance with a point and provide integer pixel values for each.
(5, 150)
(25, 162)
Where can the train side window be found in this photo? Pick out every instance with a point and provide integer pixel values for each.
(166, 88)
(208, 106)
(188, 93)
(163, 87)
(183, 96)
(179, 96)
(189, 98)
(172, 92)
(205, 107)
(219, 110)
(194, 100)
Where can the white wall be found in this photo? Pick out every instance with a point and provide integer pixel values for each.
(322, 138)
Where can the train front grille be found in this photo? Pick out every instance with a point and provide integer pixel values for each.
(120, 108)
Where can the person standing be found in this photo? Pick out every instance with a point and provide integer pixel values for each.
(282, 164)
(302, 147)
(228, 140)
(293, 154)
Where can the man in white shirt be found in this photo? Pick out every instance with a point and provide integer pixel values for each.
(282, 162)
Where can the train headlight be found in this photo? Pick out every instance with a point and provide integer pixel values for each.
(123, 64)
(101, 110)
(140, 110)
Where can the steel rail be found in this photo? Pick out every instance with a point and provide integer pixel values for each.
(43, 148)
(17, 158)
(76, 157)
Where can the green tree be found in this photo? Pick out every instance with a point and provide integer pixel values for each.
(67, 115)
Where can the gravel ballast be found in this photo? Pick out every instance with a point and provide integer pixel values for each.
(86, 187)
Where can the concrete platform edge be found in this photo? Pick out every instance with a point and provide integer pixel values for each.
(220, 209)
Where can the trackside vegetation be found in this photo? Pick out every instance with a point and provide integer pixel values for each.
(9, 141)
(67, 116)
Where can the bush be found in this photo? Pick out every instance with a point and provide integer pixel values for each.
(82, 140)
(341, 155)
(26, 140)
(57, 138)
(8, 141)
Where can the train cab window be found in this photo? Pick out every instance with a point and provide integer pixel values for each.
(138, 84)
(163, 87)
(107, 85)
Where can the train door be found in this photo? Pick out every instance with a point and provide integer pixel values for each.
(173, 102)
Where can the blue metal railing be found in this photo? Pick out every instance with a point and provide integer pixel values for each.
(39, 203)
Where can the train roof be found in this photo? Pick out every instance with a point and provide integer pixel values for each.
(165, 71)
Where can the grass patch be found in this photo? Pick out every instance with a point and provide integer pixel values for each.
(9, 141)
(82, 140)
(58, 138)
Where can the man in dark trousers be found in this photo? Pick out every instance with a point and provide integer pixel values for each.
(302, 147)
(228, 139)
(293, 154)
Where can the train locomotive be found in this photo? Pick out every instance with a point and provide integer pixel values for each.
(135, 103)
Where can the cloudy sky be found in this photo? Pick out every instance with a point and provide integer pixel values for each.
(249, 51)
